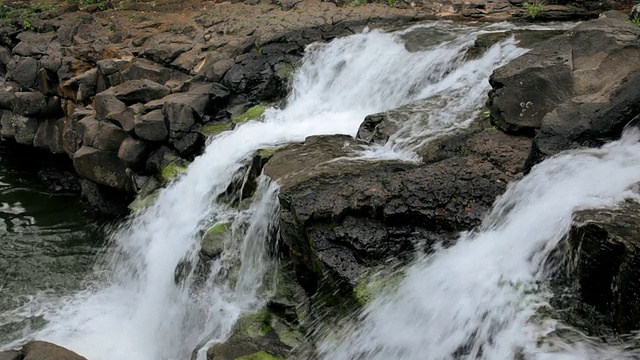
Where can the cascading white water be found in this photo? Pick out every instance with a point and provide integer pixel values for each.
(139, 312)
(477, 299)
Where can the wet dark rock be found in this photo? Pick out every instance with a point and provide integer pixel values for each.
(531, 86)
(582, 95)
(605, 248)
(151, 126)
(340, 218)
(105, 199)
(376, 129)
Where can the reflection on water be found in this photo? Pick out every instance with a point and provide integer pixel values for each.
(48, 241)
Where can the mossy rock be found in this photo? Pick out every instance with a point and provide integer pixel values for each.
(215, 128)
(370, 286)
(252, 113)
(266, 153)
(213, 241)
(172, 170)
(255, 325)
(260, 355)
(285, 71)
(287, 334)
(143, 202)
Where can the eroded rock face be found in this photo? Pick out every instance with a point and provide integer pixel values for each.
(341, 218)
(577, 89)
(606, 252)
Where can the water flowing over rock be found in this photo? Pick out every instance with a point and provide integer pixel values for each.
(605, 245)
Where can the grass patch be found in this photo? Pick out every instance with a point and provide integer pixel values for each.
(533, 9)
(252, 113)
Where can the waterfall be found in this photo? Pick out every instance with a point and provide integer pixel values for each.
(479, 298)
(135, 309)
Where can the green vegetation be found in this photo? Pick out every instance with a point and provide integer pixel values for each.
(251, 114)
(260, 355)
(215, 128)
(255, 325)
(172, 170)
(375, 284)
(533, 9)
(25, 15)
(635, 20)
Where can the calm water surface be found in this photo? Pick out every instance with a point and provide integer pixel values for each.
(48, 240)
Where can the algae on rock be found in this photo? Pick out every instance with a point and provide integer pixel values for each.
(252, 113)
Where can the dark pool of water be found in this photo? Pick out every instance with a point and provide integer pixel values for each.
(48, 239)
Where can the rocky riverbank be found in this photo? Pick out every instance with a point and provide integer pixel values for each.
(129, 92)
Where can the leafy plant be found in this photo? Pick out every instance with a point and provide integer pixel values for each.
(635, 20)
(533, 9)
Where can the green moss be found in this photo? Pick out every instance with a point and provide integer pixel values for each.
(285, 71)
(215, 128)
(372, 285)
(260, 355)
(218, 229)
(266, 152)
(252, 113)
(142, 202)
(255, 325)
(290, 337)
(172, 170)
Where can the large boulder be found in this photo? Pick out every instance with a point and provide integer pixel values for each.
(605, 245)
(42, 350)
(577, 89)
(102, 167)
(35, 104)
(139, 91)
(341, 218)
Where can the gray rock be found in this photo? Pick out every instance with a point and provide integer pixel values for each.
(10, 355)
(35, 104)
(18, 127)
(127, 117)
(24, 72)
(531, 86)
(49, 136)
(376, 128)
(109, 137)
(139, 91)
(188, 144)
(6, 100)
(133, 152)
(144, 69)
(42, 350)
(183, 110)
(83, 85)
(152, 126)
(102, 167)
(106, 103)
